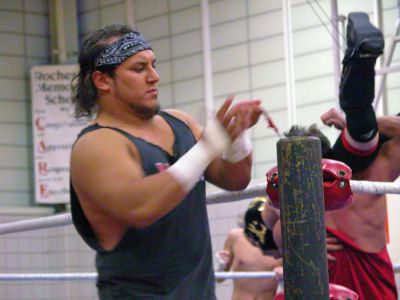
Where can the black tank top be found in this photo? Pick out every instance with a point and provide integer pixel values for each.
(170, 259)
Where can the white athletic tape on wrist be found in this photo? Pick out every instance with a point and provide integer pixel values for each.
(240, 148)
(188, 169)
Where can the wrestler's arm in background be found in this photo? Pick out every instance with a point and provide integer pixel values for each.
(389, 126)
(225, 257)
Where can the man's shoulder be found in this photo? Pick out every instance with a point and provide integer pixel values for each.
(186, 119)
(100, 140)
(178, 114)
(236, 232)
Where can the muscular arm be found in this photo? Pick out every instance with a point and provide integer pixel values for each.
(225, 174)
(227, 254)
(391, 157)
(106, 173)
(236, 175)
(229, 176)
(389, 126)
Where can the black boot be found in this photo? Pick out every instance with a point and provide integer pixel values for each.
(363, 38)
(364, 45)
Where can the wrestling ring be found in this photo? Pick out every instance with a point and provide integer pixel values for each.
(212, 198)
(302, 218)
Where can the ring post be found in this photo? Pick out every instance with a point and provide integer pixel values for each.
(303, 220)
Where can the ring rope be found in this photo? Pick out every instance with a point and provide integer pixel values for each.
(259, 190)
(37, 223)
(93, 276)
(374, 187)
(47, 276)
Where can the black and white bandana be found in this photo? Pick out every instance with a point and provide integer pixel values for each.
(121, 49)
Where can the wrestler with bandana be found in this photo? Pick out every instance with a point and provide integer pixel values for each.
(138, 173)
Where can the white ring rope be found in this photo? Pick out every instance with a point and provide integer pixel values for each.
(93, 276)
(251, 192)
(374, 187)
(37, 223)
(47, 276)
(241, 275)
(259, 190)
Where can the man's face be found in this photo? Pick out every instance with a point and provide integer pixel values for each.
(135, 84)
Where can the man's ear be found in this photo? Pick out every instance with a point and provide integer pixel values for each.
(101, 80)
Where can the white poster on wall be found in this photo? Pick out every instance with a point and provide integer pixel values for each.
(54, 131)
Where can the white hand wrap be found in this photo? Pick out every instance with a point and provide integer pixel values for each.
(188, 169)
(240, 148)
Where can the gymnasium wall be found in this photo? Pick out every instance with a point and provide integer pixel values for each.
(24, 34)
(247, 60)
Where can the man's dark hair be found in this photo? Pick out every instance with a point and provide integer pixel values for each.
(84, 91)
(297, 130)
